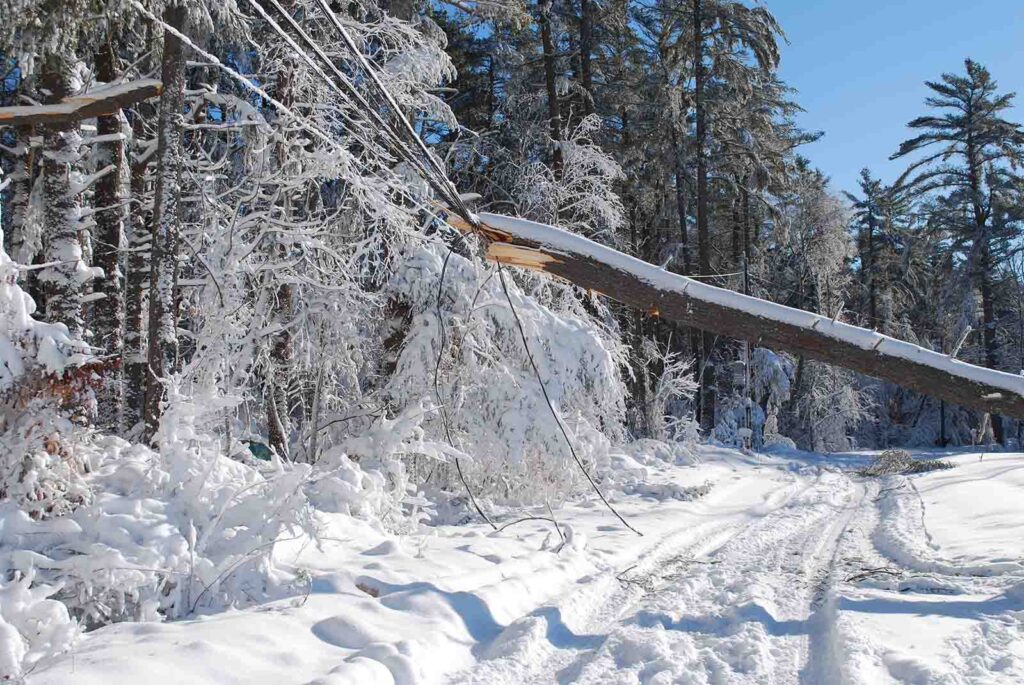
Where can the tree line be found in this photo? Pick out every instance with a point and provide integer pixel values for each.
(250, 230)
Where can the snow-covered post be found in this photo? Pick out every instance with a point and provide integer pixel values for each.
(162, 352)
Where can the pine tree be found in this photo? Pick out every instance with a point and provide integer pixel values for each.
(972, 153)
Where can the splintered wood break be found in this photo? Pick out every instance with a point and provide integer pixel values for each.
(654, 311)
(525, 257)
(483, 229)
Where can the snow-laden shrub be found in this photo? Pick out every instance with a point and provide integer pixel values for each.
(740, 420)
(366, 476)
(162, 532)
(489, 393)
(670, 409)
(39, 462)
(893, 462)
(32, 626)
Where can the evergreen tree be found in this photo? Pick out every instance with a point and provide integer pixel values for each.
(972, 154)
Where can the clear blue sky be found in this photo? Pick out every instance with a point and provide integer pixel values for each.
(860, 67)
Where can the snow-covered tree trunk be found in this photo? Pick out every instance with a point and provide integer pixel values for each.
(136, 280)
(63, 278)
(162, 349)
(110, 219)
(139, 237)
(279, 373)
(24, 236)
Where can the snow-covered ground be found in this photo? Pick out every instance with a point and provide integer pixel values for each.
(790, 570)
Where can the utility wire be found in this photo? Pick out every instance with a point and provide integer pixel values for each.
(452, 194)
(457, 205)
(433, 173)
(551, 407)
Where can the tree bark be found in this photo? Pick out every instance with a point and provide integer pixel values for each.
(554, 111)
(24, 241)
(62, 282)
(722, 312)
(682, 210)
(110, 220)
(279, 374)
(988, 315)
(983, 273)
(586, 53)
(870, 268)
(706, 404)
(162, 350)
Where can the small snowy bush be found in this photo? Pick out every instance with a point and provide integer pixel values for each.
(893, 462)
(32, 626)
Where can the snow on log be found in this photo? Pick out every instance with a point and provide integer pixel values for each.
(636, 283)
(104, 100)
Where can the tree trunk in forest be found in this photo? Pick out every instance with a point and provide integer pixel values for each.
(586, 53)
(137, 279)
(110, 220)
(726, 313)
(988, 315)
(279, 374)
(139, 235)
(870, 275)
(554, 111)
(706, 404)
(24, 242)
(162, 350)
(63, 280)
(737, 232)
(682, 211)
(983, 274)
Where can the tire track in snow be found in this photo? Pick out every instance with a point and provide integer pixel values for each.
(737, 604)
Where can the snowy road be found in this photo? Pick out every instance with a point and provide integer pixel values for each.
(791, 571)
(745, 602)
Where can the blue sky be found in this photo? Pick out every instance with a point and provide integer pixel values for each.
(860, 67)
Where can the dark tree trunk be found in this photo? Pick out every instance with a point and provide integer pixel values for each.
(586, 54)
(24, 245)
(554, 111)
(983, 272)
(706, 405)
(989, 329)
(109, 315)
(682, 210)
(61, 283)
(870, 275)
(162, 349)
(278, 379)
(137, 278)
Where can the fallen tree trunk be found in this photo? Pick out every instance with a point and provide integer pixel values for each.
(660, 293)
(98, 102)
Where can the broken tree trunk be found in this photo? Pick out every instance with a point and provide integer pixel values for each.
(103, 101)
(660, 293)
